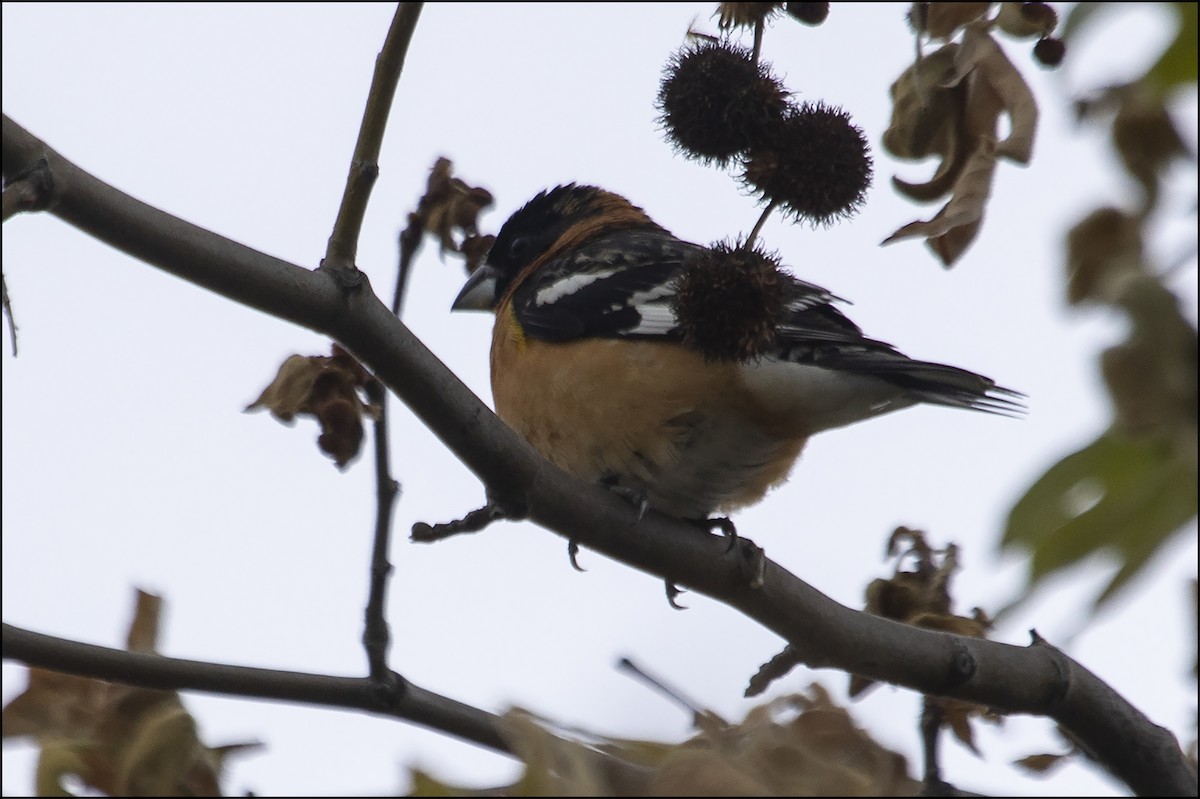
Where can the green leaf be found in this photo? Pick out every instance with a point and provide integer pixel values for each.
(1177, 65)
(1120, 495)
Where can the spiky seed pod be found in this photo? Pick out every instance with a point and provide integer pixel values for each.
(715, 101)
(816, 165)
(808, 13)
(1049, 52)
(728, 301)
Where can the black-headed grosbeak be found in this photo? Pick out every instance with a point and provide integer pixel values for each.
(590, 365)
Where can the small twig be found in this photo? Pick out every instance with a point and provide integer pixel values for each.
(473, 522)
(376, 636)
(758, 225)
(627, 665)
(343, 245)
(8, 312)
(758, 39)
(410, 242)
(364, 167)
(931, 730)
(776, 668)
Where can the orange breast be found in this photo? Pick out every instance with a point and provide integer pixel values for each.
(653, 415)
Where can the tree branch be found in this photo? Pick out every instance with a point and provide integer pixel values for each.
(340, 255)
(364, 166)
(376, 635)
(404, 701)
(1037, 679)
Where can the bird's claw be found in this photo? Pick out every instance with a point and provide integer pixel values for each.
(573, 554)
(638, 499)
(724, 525)
(673, 591)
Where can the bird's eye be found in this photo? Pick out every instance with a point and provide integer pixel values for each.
(519, 247)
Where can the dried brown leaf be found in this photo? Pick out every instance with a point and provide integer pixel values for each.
(954, 227)
(1152, 376)
(118, 740)
(449, 208)
(1104, 252)
(949, 104)
(53, 705)
(475, 249)
(1026, 20)
(330, 389)
(958, 718)
(942, 20)
(143, 630)
(928, 119)
(924, 111)
(1146, 140)
(981, 61)
(1041, 764)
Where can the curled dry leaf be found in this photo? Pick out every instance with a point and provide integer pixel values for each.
(799, 745)
(1043, 763)
(949, 104)
(928, 120)
(1147, 140)
(1104, 252)
(118, 740)
(1027, 20)
(943, 20)
(450, 207)
(1152, 376)
(331, 390)
(982, 63)
(475, 249)
(952, 230)
(920, 595)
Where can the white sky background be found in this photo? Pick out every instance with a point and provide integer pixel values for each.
(127, 461)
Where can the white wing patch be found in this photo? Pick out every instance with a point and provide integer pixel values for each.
(656, 320)
(568, 285)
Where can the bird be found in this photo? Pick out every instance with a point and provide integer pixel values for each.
(602, 366)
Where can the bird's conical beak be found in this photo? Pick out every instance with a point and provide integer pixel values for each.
(479, 292)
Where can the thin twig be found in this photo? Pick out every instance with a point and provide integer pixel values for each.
(376, 635)
(758, 40)
(404, 701)
(473, 522)
(8, 312)
(932, 718)
(762, 219)
(627, 665)
(364, 167)
(343, 245)
(409, 243)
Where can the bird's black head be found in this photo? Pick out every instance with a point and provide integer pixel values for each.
(558, 218)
